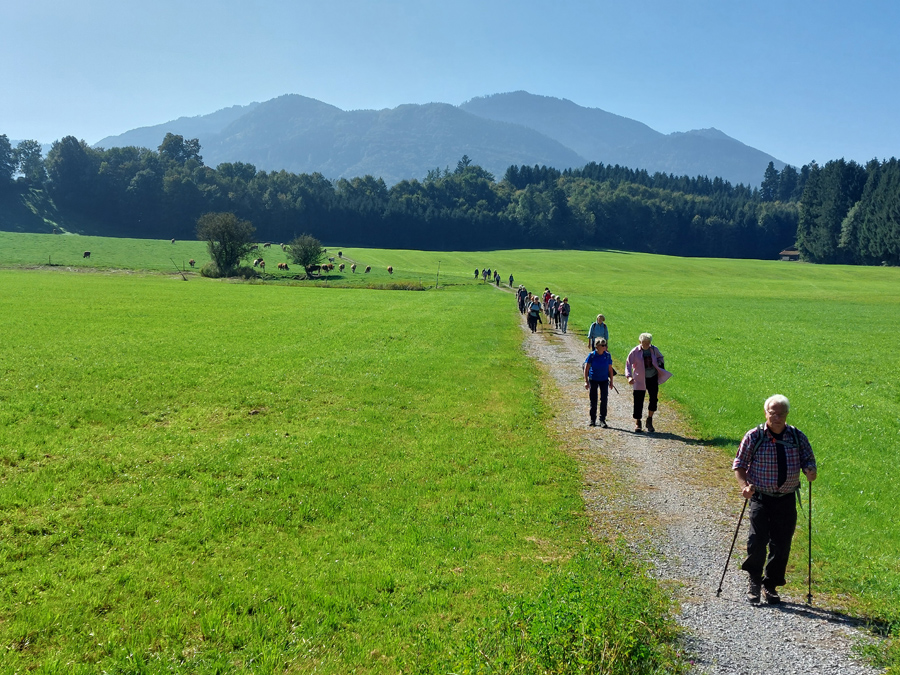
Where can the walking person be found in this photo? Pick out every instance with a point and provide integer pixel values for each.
(598, 375)
(598, 329)
(645, 371)
(564, 310)
(510, 280)
(767, 467)
(534, 313)
(551, 310)
(522, 296)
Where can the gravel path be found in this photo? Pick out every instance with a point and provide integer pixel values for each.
(679, 510)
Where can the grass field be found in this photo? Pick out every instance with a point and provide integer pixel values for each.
(733, 332)
(211, 477)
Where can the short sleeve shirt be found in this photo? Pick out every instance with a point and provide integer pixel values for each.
(599, 363)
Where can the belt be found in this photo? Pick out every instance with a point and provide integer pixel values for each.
(773, 494)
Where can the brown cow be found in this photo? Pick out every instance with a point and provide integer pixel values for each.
(353, 268)
(192, 262)
(341, 267)
(390, 269)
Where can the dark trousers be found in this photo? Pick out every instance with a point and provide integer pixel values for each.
(653, 390)
(532, 322)
(772, 524)
(603, 387)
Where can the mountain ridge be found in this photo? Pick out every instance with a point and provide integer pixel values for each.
(304, 135)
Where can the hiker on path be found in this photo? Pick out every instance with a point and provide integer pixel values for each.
(645, 371)
(598, 374)
(564, 310)
(534, 313)
(598, 329)
(510, 280)
(522, 296)
(767, 467)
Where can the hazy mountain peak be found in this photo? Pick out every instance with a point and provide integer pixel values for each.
(302, 134)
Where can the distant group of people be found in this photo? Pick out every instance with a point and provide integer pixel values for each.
(493, 275)
(555, 309)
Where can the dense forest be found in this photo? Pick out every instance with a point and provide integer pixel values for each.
(841, 212)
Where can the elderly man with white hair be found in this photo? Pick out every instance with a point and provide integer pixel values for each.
(767, 467)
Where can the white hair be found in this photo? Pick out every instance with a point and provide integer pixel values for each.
(779, 401)
(645, 336)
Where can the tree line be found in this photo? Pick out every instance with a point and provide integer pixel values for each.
(841, 212)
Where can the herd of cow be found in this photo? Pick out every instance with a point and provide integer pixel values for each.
(259, 262)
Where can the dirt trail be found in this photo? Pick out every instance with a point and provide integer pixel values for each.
(676, 503)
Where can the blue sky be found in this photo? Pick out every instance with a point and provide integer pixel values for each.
(801, 80)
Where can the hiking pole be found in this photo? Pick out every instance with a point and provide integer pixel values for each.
(809, 547)
(731, 550)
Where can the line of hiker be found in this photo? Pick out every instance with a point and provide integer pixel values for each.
(769, 485)
(644, 365)
(555, 309)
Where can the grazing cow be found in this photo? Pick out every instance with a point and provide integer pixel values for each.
(331, 260)
(87, 254)
(283, 266)
(257, 261)
(353, 268)
(192, 262)
(368, 268)
(390, 269)
(255, 247)
(173, 241)
(340, 254)
(267, 245)
(262, 265)
(341, 267)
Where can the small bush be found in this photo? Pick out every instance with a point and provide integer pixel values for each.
(210, 270)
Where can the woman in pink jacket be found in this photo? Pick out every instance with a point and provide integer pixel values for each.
(645, 372)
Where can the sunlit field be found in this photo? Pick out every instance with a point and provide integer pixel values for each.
(733, 332)
(208, 476)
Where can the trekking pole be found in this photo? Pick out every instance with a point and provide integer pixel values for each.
(809, 548)
(731, 550)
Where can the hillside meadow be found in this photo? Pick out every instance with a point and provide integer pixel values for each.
(732, 331)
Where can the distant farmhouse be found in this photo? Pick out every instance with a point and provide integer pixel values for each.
(790, 254)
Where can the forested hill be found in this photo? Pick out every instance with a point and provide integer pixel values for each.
(840, 212)
(303, 135)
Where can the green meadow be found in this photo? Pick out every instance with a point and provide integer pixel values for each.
(205, 475)
(208, 477)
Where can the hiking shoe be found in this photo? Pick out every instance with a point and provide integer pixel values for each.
(604, 424)
(650, 425)
(772, 597)
(753, 591)
(592, 424)
(637, 426)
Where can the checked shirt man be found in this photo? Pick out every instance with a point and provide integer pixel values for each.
(767, 467)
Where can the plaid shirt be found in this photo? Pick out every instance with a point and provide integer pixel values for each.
(762, 471)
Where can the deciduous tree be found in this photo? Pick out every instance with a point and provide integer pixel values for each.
(229, 239)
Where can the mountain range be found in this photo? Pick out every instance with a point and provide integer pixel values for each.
(303, 135)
